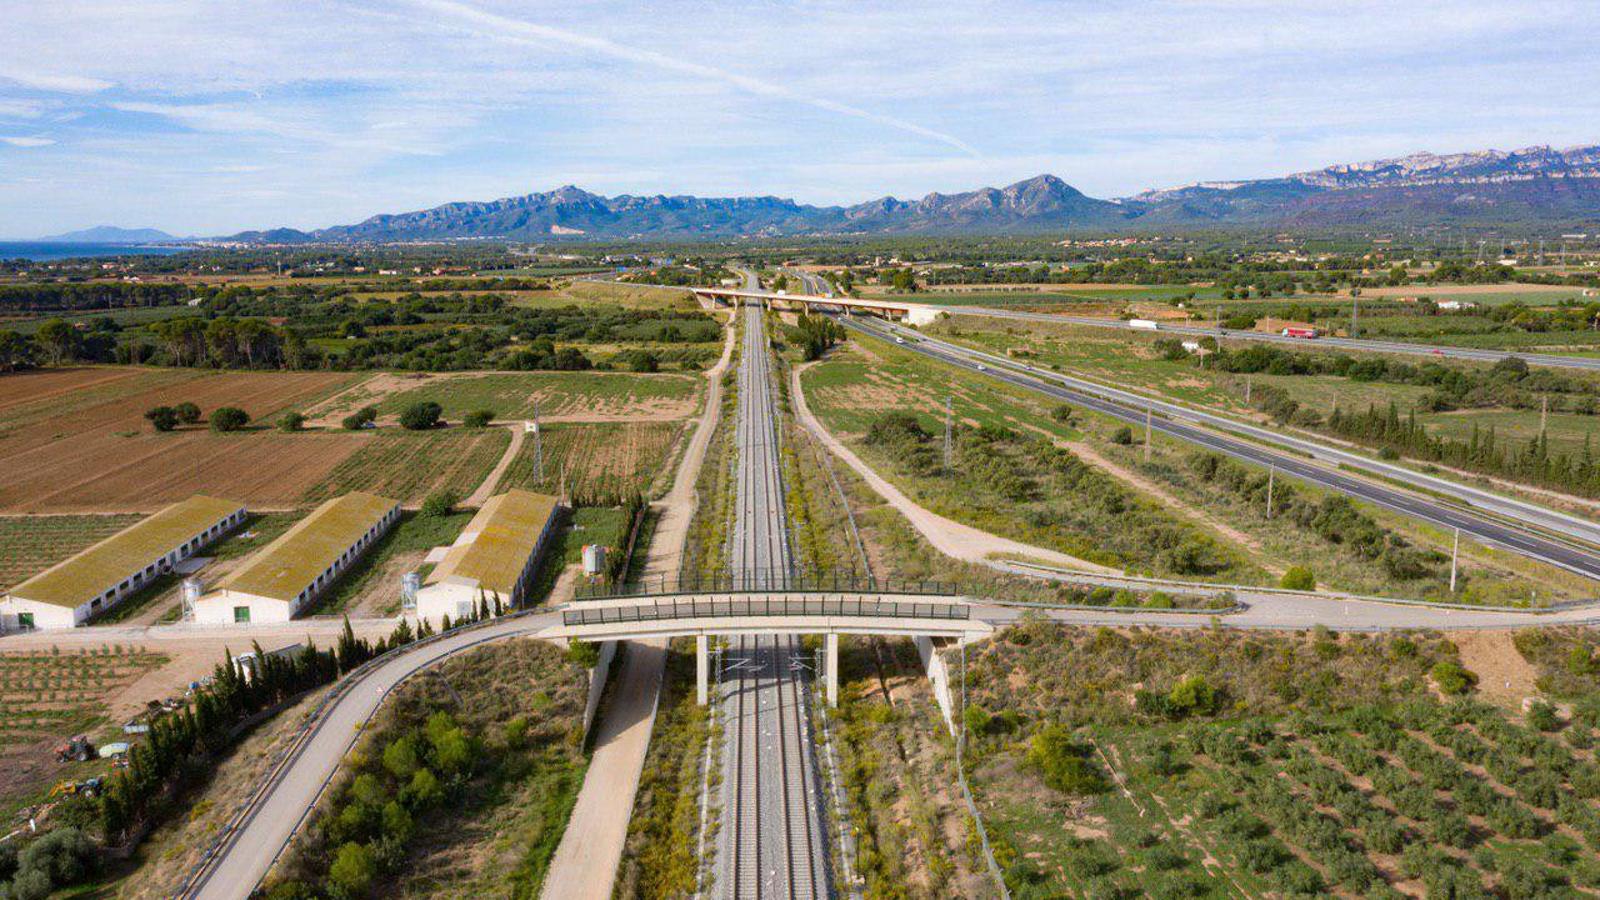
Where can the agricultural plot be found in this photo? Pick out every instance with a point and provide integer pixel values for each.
(1267, 764)
(35, 543)
(49, 696)
(611, 293)
(75, 440)
(595, 463)
(410, 465)
(557, 396)
(1566, 432)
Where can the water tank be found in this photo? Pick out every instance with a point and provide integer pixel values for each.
(192, 589)
(410, 583)
(594, 559)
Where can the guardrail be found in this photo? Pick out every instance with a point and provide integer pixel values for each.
(763, 607)
(767, 581)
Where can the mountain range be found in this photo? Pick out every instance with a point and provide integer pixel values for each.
(110, 234)
(1535, 185)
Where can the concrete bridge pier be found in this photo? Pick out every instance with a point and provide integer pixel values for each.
(702, 668)
(830, 667)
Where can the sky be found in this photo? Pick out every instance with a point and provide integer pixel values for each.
(206, 117)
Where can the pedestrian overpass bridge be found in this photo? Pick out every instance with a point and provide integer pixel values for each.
(766, 605)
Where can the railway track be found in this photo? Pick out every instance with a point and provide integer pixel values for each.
(773, 843)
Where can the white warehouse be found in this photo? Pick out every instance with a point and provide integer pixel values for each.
(283, 578)
(92, 581)
(495, 558)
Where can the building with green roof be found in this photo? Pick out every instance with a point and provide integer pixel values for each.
(285, 577)
(495, 558)
(93, 580)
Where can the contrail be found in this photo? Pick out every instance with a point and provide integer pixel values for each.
(503, 28)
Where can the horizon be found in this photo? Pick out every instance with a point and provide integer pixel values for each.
(312, 115)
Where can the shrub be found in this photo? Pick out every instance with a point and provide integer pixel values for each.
(1123, 436)
(1062, 413)
(360, 419)
(1193, 695)
(162, 418)
(353, 869)
(585, 654)
(1063, 762)
(291, 421)
(1452, 678)
(1542, 716)
(228, 418)
(188, 413)
(421, 416)
(478, 418)
(439, 503)
(1298, 578)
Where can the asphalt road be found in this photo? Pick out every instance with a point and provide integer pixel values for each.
(772, 843)
(1360, 344)
(1488, 531)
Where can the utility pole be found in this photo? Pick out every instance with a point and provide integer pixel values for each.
(538, 445)
(1148, 412)
(1272, 473)
(1355, 312)
(949, 415)
(1455, 553)
(1247, 383)
(1544, 413)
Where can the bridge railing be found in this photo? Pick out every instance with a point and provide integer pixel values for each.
(762, 607)
(767, 581)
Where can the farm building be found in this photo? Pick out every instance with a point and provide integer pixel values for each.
(284, 577)
(70, 592)
(494, 558)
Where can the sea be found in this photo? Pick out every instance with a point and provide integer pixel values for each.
(43, 252)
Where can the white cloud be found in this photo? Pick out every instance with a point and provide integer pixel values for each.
(27, 141)
(46, 81)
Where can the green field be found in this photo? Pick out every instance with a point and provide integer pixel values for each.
(409, 465)
(1566, 432)
(573, 395)
(602, 462)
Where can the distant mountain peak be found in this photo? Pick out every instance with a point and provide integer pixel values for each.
(1535, 183)
(110, 234)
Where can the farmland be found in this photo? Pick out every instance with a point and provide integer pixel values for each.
(76, 440)
(557, 396)
(409, 465)
(1290, 764)
(49, 696)
(35, 543)
(596, 462)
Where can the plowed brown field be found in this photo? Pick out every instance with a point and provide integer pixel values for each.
(75, 440)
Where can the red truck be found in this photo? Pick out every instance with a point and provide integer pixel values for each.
(1298, 331)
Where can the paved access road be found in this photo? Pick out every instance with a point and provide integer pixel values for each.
(247, 853)
(1109, 402)
(772, 842)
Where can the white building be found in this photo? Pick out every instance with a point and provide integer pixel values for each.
(285, 577)
(496, 557)
(92, 581)
(1456, 304)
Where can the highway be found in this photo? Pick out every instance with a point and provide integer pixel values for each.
(820, 288)
(1131, 408)
(1359, 344)
(773, 842)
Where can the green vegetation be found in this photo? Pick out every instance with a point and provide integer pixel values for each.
(386, 464)
(228, 418)
(415, 533)
(659, 860)
(463, 785)
(421, 416)
(582, 395)
(1295, 764)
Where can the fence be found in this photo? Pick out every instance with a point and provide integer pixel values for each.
(768, 581)
(765, 606)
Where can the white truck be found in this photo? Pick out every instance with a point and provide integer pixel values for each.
(1143, 324)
